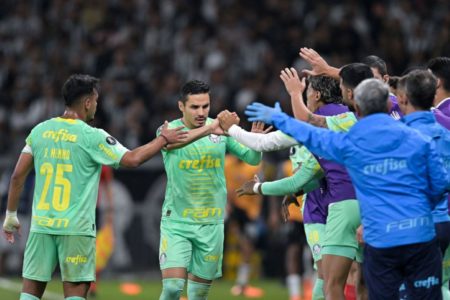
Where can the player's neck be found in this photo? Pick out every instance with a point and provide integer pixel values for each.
(441, 95)
(71, 114)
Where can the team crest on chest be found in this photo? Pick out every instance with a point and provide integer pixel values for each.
(215, 138)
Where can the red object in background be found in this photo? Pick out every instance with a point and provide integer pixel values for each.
(350, 292)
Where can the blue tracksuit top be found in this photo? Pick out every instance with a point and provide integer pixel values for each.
(397, 174)
(425, 122)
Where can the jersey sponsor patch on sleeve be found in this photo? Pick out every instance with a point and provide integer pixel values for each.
(111, 141)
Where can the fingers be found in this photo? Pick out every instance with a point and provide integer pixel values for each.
(239, 192)
(256, 178)
(268, 129)
(9, 236)
(309, 72)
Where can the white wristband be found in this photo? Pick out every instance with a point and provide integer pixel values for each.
(11, 213)
(256, 188)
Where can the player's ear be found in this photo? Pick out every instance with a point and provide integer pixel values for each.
(181, 106)
(349, 93)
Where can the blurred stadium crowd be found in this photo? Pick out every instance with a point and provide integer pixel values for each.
(143, 51)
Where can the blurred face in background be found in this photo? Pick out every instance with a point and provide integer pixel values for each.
(195, 110)
(347, 95)
(312, 98)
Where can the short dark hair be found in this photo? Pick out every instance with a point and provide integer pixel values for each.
(376, 62)
(77, 86)
(328, 88)
(420, 88)
(393, 81)
(193, 87)
(353, 74)
(440, 66)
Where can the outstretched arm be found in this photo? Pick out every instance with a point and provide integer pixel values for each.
(318, 64)
(325, 143)
(23, 168)
(139, 155)
(295, 88)
(197, 133)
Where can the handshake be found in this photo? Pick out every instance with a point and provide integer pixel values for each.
(226, 119)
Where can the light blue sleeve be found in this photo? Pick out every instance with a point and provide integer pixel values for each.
(438, 178)
(323, 142)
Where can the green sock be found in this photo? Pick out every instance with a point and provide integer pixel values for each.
(197, 290)
(25, 296)
(318, 290)
(172, 288)
(74, 298)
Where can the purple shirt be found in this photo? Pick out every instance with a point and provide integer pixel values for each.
(315, 210)
(442, 113)
(338, 185)
(394, 111)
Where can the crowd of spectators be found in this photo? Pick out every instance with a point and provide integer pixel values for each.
(144, 50)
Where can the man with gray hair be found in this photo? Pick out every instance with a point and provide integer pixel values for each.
(398, 177)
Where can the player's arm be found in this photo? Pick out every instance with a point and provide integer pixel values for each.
(258, 140)
(21, 171)
(318, 64)
(302, 181)
(326, 143)
(197, 133)
(244, 153)
(139, 155)
(295, 89)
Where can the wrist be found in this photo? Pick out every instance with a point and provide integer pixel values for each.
(164, 138)
(257, 188)
(11, 213)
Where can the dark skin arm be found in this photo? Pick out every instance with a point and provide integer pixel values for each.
(139, 155)
(23, 167)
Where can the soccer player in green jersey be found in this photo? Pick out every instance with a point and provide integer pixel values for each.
(192, 229)
(67, 155)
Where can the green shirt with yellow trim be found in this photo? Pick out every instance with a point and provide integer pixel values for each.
(342, 122)
(68, 155)
(196, 192)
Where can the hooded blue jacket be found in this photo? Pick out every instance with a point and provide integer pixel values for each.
(425, 122)
(397, 174)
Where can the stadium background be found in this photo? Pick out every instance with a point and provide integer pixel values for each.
(145, 50)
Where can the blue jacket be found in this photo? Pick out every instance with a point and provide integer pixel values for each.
(425, 122)
(397, 174)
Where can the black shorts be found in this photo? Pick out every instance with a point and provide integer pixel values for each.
(418, 265)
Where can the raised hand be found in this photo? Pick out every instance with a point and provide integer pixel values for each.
(10, 226)
(318, 64)
(260, 112)
(292, 82)
(258, 127)
(247, 187)
(228, 119)
(173, 136)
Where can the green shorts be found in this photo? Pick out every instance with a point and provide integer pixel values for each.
(315, 234)
(75, 255)
(196, 247)
(340, 231)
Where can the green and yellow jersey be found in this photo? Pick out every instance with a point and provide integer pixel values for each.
(342, 122)
(68, 155)
(196, 190)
